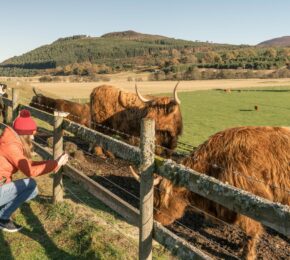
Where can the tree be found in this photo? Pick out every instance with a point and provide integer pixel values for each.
(270, 52)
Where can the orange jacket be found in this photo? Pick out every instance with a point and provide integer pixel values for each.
(12, 158)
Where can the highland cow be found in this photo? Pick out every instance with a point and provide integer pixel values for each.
(116, 109)
(235, 156)
(79, 113)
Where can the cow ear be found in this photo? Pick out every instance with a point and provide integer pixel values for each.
(172, 107)
(123, 99)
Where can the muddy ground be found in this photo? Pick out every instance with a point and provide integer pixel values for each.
(217, 239)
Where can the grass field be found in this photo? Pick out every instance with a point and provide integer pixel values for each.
(207, 112)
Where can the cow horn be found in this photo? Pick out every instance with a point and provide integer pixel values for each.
(157, 180)
(140, 96)
(137, 177)
(177, 100)
(36, 94)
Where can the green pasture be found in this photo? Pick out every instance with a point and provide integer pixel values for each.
(207, 112)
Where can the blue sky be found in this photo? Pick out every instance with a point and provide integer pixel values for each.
(28, 24)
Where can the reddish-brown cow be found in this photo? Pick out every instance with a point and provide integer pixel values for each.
(123, 111)
(236, 156)
(79, 113)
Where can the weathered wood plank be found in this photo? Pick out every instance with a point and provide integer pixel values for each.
(273, 215)
(119, 148)
(57, 152)
(7, 102)
(175, 245)
(146, 188)
(42, 115)
(15, 100)
(107, 197)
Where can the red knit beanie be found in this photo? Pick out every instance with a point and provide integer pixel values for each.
(24, 124)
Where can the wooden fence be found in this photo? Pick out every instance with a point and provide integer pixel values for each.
(274, 215)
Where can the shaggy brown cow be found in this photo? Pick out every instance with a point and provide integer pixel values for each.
(79, 113)
(231, 156)
(3, 108)
(123, 111)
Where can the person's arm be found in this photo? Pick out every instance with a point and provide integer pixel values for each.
(28, 167)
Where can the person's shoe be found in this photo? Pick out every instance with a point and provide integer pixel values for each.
(9, 226)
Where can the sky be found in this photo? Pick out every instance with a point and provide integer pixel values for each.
(28, 24)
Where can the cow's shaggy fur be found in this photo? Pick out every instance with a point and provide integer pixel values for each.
(79, 113)
(124, 111)
(235, 156)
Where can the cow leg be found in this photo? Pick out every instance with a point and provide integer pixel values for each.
(254, 230)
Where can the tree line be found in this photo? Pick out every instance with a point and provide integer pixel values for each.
(83, 55)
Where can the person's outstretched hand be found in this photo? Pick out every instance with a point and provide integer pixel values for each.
(62, 160)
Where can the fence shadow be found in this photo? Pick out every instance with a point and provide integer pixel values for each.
(5, 251)
(39, 234)
(77, 193)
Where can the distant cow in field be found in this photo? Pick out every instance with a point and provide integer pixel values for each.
(3, 107)
(238, 157)
(79, 113)
(122, 111)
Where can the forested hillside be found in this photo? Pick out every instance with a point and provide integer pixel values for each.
(113, 52)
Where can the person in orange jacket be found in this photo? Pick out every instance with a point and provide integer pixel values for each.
(15, 155)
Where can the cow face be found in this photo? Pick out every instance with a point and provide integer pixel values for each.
(168, 118)
(169, 201)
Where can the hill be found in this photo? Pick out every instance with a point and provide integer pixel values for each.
(280, 41)
(129, 50)
(132, 35)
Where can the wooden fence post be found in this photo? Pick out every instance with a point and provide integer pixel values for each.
(147, 146)
(15, 103)
(58, 151)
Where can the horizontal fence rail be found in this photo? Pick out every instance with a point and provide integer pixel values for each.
(119, 148)
(273, 215)
(42, 115)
